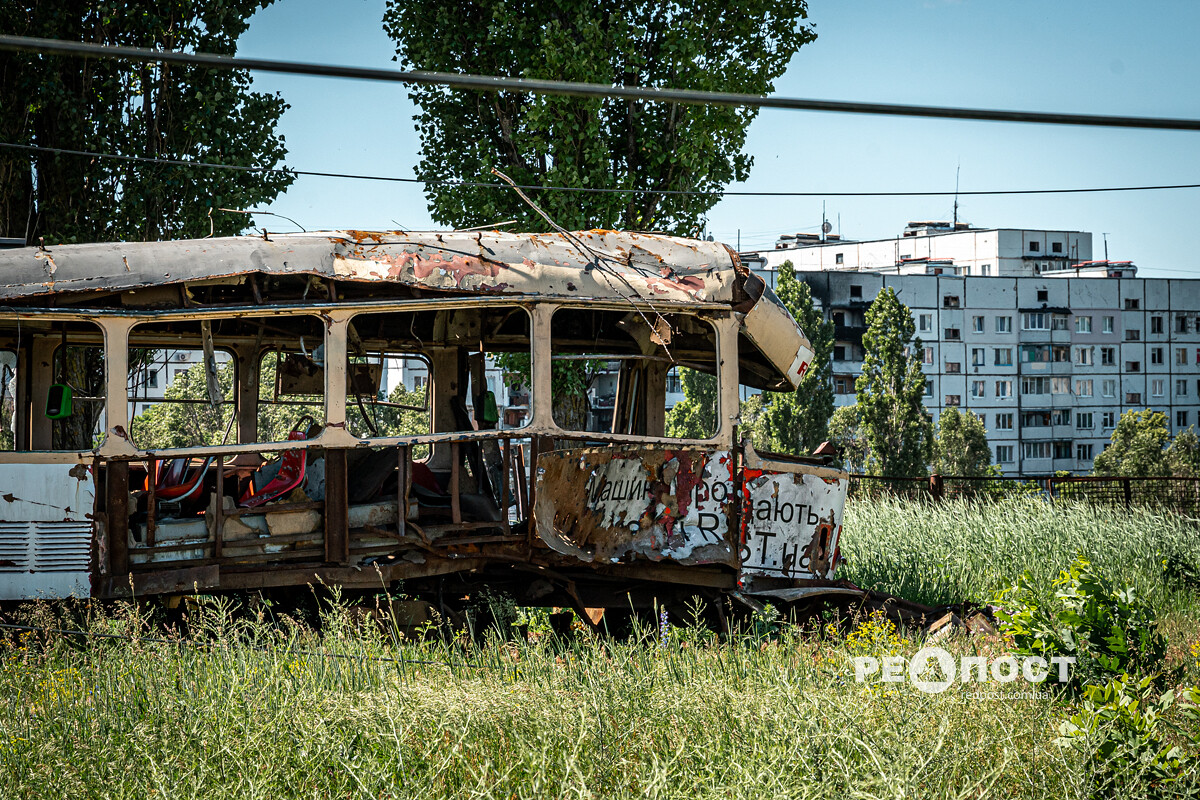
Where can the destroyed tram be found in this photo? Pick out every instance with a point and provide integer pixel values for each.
(285, 450)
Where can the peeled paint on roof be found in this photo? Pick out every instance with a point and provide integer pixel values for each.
(591, 264)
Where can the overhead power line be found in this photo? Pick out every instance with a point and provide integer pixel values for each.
(574, 89)
(582, 189)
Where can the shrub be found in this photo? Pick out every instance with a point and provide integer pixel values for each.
(1109, 632)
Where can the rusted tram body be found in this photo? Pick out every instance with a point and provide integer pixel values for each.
(292, 460)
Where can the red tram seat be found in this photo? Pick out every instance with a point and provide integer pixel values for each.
(174, 484)
(290, 475)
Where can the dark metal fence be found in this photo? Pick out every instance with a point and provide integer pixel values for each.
(1174, 494)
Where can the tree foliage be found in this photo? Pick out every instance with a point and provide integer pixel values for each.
(891, 392)
(961, 445)
(846, 434)
(695, 416)
(583, 142)
(1141, 446)
(151, 110)
(1183, 456)
(797, 422)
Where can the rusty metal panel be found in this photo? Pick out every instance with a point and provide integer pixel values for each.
(770, 326)
(791, 518)
(620, 504)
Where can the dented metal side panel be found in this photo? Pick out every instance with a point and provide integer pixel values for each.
(608, 505)
(45, 530)
(791, 518)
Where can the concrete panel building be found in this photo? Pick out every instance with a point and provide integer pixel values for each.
(1049, 361)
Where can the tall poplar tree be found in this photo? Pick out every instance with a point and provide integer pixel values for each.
(891, 390)
(595, 143)
(798, 422)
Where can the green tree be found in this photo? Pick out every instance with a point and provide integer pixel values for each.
(961, 445)
(152, 110)
(890, 392)
(695, 416)
(846, 434)
(185, 418)
(583, 142)
(1138, 447)
(798, 422)
(1183, 456)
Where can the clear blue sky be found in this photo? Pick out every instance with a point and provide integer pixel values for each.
(1050, 55)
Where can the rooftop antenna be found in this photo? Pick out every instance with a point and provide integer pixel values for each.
(825, 226)
(956, 171)
(1105, 235)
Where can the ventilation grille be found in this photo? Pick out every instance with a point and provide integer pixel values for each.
(45, 546)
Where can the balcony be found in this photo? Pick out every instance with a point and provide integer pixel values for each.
(849, 333)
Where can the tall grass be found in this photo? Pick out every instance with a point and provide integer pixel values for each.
(958, 551)
(250, 707)
(238, 712)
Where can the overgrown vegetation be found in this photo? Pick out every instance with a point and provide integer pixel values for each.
(265, 705)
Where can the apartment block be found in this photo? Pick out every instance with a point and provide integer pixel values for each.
(1050, 363)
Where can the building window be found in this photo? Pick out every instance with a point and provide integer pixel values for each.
(839, 318)
(1132, 303)
(953, 368)
(1035, 247)
(1083, 324)
(1157, 387)
(1004, 422)
(1003, 389)
(985, 270)
(1133, 334)
(951, 334)
(977, 390)
(1038, 450)
(1060, 385)
(1083, 387)
(925, 322)
(1004, 453)
(1181, 323)
(1003, 324)
(1062, 353)
(977, 324)
(1156, 324)
(1083, 452)
(1035, 353)
(977, 357)
(1083, 356)
(1181, 419)
(1059, 322)
(1056, 247)
(1035, 385)
(1110, 388)
(950, 301)
(1181, 388)
(1133, 398)
(839, 353)
(1043, 295)
(928, 357)
(843, 384)
(1181, 356)
(1108, 356)
(1108, 324)
(1035, 321)
(674, 384)
(1084, 421)
(929, 388)
(1156, 355)
(1062, 417)
(1109, 419)
(855, 292)
(837, 258)
(1133, 366)
(1003, 356)
(953, 400)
